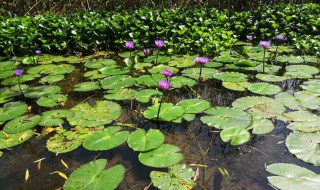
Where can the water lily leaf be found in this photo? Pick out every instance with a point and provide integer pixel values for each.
(300, 116)
(264, 88)
(23, 78)
(168, 112)
(194, 105)
(180, 81)
(150, 80)
(99, 63)
(289, 101)
(14, 139)
(230, 77)
(181, 62)
(12, 110)
(306, 127)
(235, 67)
(236, 86)
(213, 64)
(116, 82)
(55, 117)
(304, 146)
(189, 116)
(207, 73)
(312, 86)
(301, 71)
(179, 177)
(290, 59)
(161, 59)
(258, 56)
(51, 69)
(270, 69)
(225, 59)
(93, 176)
(113, 70)
(259, 106)
(144, 96)
(7, 66)
(311, 59)
(270, 78)
(21, 124)
(106, 139)
(6, 74)
(86, 86)
(308, 99)
(261, 126)
(159, 68)
(245, 63)
(292, 177)
(164, 156)
(237, 135)
(62, 144)
(52, 100)
(39, 91)
(223, 117)
(120, 94)
(140, 140)
(51, 79)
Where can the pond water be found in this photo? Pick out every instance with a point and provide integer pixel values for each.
(199, 144)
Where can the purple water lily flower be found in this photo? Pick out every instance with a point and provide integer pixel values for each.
(202, 60)
(280, 37)
(249, 37)
(165, 85)
(159, 43)
(265, 44)
(129, 45)
(167, 73)
(38, 51)
(146, 52)
(18, 72)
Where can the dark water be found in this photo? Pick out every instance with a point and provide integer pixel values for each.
(199, 145)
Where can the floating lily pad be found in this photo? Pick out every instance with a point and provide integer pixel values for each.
(264, 88)
(290, 59)
(180, 81)
(207, 73)
(305, 146)
(289, 101)
(23, 78)
(39, 91)
(51, 79)
(116, 82)
(52, 100)
(144, 96)
(168, 112)
(270, 78)
(182, 62)
(99, 63)
(140, 140)
(179, 177)
(114, 70)
(107, 139)
(161, 59)
(164, 156)
(14, 139)
(301, 71)
(306, 127)
(51, 69)
(150, 80)
(213, 64)
(292, 177)
(55, 117)
(311, 59)
(261, 126)
(86, 86)
(61, 144)
(223, 117)
(21, 124)
(270, 69)
(159, 68)
(312, 86)
(194, 105)
(300, 116)
(237, 135)
(12, 110)
(120, 94)
(308, 99)
(6, 74)
(225, 59)
(236, 86)
(230, 77)
(93, 176)
(246, 63)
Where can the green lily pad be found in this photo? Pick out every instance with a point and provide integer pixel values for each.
(236, 86)
(140, 140)
(23, 78)
(114, 70)
(52, 100)
(311, 59)
(300, 116)
(270, 69)
(306, 127)
(40, 91)
(213, 64)
(264, 88)
(120, 94)
(164, 156)
(93, 176)
(270, 78)
(305, 146)
(159, 68)
(261, 126)
(105, 140)
(223, 117)
(194, 105)
(308, 99)
(86, 86)
(207, 73)
(51, 79)
(245, 63)
(161, 59)
(116, 82)
(62, 144)
(312, 86)
(12, 110)
(168, 112)
(150, 80)
(6, 74)
(301, 71)
(144, 96)
(237, 135)
(21, 124)
(99, 63)
(230, 77)
(55, 117)
(180, 81)
(289, 101)
(225, 59)
(179, 177)
(14, 139)
(181, 62)
(51, 69)
(290, 59)
(292, 177)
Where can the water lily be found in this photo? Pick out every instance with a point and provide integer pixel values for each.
(167, 73)
(249, 37)
(129, 45)
(38, 51)
(280, 37)
(159, 44)
(164, 85)
(18, 73)
(265, 45)
(146, 52)
(201, 61)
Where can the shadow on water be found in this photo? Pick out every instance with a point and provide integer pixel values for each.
(199, 144)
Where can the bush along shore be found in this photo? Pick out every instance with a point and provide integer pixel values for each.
(199, 30)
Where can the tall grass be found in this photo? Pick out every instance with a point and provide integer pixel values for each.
(33, 7)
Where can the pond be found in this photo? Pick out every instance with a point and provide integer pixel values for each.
(105, 89)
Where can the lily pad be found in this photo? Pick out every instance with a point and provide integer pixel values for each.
(237, 135)
(207, 73)
(225, 59)
(312, 86)
(230, 77)
(14, 139)
(52, 100)
(261, 126)
(305, 146)
(116, 82)
(55, 117)
(114, 70)
(21, 124)
(93, 176)
(289, 101)
(164, 156)
(150, 80)
(120, 94)
(292, 177)
(99, 63)
(223, 117)
(179, 177)
(39, 91)
(270, 69)
(61, 144)
(264, 88)
(51, 79)
(236, 86)
(140, 140)
(301, 71)
(270, 78)
(308, 99)
(12, 110)
(144, 96)
(194, 105)
(23, 78)
(107, 139)
(159, 68)
(168, 112)
(180, 81)
(86, 86)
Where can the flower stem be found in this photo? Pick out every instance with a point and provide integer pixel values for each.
(160, 106)
(264, 55)
(200, 73)
(19, 85)
(276, 53)
(157, 56)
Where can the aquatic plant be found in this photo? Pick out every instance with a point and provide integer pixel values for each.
(164, 85)
(130, 45)
(249, 37)
(19, 73)
(265, 45)
(146, 52)
(201, 61)
(280, 38)
(167, 73)
(158, 44)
